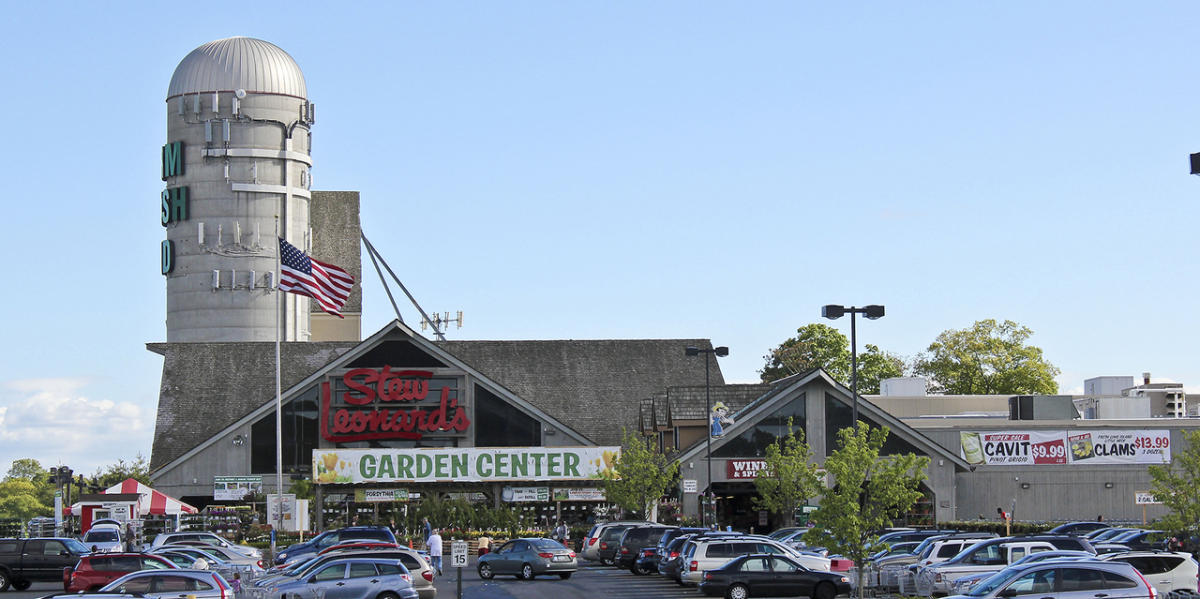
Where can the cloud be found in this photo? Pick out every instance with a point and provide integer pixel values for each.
(54, 421)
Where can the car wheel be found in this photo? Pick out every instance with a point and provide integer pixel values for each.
(4, 580)
(485, 571)
(604, 561)
(526, 572)
(824, 591)
(388, 595)
(636, 570)
(21, 585)
(737, 591)
(564, 575)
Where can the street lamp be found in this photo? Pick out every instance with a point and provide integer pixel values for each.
(834, 312)
(719, 352)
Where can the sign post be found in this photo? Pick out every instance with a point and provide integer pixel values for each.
(458, 559)
(1144, 498)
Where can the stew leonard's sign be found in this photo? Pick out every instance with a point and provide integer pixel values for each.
(467, 464)
(1036, 448)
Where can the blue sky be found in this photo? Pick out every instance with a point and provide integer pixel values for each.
(630, 170)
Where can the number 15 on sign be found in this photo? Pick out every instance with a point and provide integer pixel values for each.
(458, 554)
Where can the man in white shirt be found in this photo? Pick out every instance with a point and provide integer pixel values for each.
(435, 550)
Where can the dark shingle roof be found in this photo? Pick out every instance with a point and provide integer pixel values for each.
(209, 386)
(687, 403)
(594, 386)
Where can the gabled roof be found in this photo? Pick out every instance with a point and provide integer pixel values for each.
(688, 403)
(587, 390)
(782, 390)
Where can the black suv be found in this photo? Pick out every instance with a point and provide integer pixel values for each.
(635, 539)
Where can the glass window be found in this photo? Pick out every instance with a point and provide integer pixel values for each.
(987, 556)
(54, 548)
(719, 550)
(389, 569)
(755, 564)
(410, 562)
(1040, 581)
(949, 550)
(754, 441)
(500, 424)
(1081, 579)
(141, 584)
(300, 434)
(8, 547)
(744, 548)
(149, 563)
(128, 563)
(361, 570)
(779, 564)
(332, 572)
(839, 416)
(1112, 580)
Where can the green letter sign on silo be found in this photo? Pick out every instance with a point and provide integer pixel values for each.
(168, 256)
(172, 159)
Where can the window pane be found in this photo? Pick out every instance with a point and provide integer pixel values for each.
(839, 416)
(333, 572)
(499, 424)
(754, 442)
(359, 570)
(756, 564)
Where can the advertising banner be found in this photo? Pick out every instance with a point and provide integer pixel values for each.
(380, 495)
(744, 469)
(581, 494)
(235, 488)
(470, 464)
(525, 494)
(1145, 498)
(285, 503)
(1036, 448)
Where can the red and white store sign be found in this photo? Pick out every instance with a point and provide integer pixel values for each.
(744, 469)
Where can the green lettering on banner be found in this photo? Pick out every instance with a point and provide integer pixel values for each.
(552, 467)
(424, 465)
(483, 465)
(439, 466)
(404, 467)
(386, 468)
(168, 256)
(520, 465)
(502, 465)
(537, 463)
(571, 468)
(172, 159)
(458, 465)
(366, 466)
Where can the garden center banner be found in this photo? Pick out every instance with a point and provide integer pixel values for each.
(1066, 447)
(467, 464)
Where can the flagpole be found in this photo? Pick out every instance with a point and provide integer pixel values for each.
(279, 324)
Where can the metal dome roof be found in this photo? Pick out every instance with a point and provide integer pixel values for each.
(238, 63)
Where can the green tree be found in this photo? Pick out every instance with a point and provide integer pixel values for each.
(137, 469)
(789, 478)
(870, 492)
(20, 499)
(1177, 486)
(641, 475)
(27, 469)
(989, 358)
(822, 346)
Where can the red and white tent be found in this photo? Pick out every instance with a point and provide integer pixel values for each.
(152, 502)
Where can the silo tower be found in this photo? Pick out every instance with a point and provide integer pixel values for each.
(236, 169)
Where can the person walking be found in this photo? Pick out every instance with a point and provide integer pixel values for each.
(428, 529)
(560, 533)
(435, 551)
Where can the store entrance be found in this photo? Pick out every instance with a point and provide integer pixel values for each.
(735, 508)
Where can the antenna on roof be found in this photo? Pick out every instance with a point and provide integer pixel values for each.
(442, 319)
(376, 258)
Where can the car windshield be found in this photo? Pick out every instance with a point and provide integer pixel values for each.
(301, 566)
(101, 536)
(992, 583)
(75, 546)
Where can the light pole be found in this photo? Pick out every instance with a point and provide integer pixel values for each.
(834, 312)
(719, 352)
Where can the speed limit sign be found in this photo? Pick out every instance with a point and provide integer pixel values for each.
(458, 554)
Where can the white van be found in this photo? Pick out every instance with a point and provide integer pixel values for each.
(706, 553)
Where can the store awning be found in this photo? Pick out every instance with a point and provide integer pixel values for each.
(152, 502)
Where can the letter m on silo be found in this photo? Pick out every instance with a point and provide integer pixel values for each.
(172, 159)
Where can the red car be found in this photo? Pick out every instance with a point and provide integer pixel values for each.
(97, 570)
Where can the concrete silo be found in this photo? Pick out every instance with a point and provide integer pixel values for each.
(236, 162)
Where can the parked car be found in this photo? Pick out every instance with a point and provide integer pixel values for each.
(985, 556)
(1143, 540)
(1107, 534)
(208, 538)
(98, 569)
(635, 539)
(248, 565)
(40, 559)
(1077, 528)
(1065, 580)
(418, 566)
(526, 558)
(330, 538)
(1103, 548)
(1167, 571)
(893, 572)
(760, 575)
(962, 584)
(188, 558)
(610, 540)
(591, 542)
(703, 552)
(172, 584)
(671, 557)
(350, 578)
(104, 538)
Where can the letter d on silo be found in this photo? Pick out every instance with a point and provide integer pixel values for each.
(168, 256)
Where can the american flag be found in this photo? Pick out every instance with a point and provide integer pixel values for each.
(329, 285)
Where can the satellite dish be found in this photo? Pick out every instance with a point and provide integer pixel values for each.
(240, 93)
